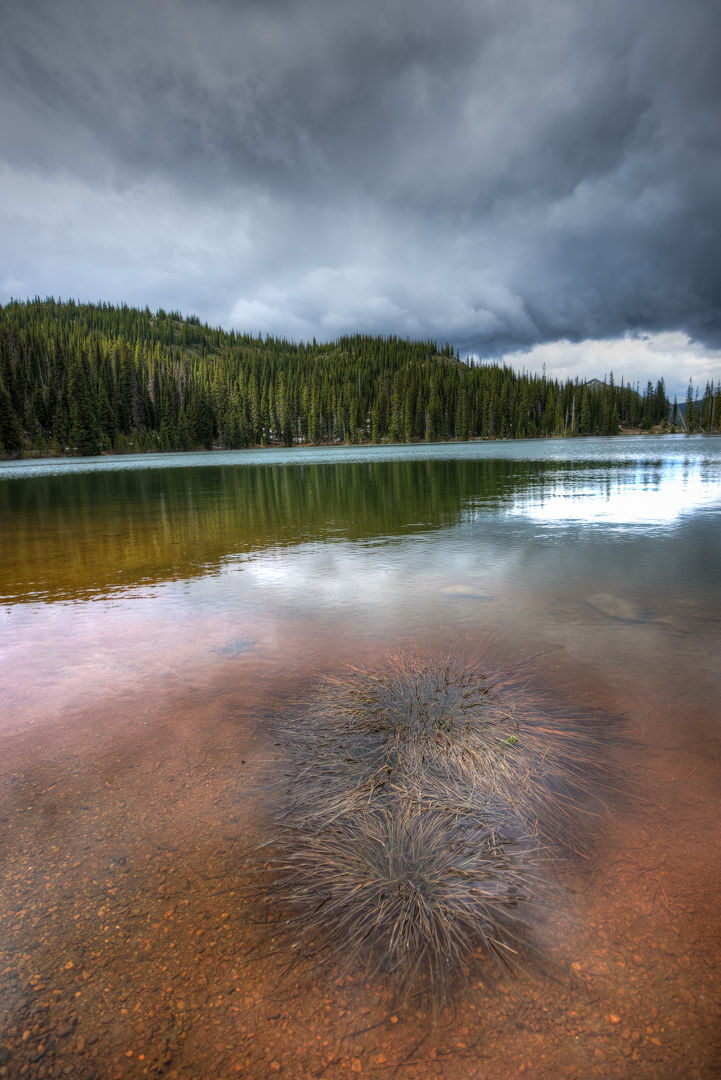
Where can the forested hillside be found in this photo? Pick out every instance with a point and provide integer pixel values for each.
(87, 378)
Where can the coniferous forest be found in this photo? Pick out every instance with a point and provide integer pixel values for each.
(93, 378)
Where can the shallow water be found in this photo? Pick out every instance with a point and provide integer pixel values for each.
(156, 614)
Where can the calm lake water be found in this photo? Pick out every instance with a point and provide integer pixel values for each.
(155, 614)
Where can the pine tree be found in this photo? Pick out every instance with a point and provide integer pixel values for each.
(409, 415)
(661, 404)
(203, 421)
(186, 431)
(11, 432)
(106, 416)
(396, 425)
(84, 434)
(434, 414)
(376, 422)
(690, 411)
(462, 416)
(60, 432)
(124, 375)
(613, 422)
(584, 419)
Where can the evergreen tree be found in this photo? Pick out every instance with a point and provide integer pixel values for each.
(462, 416)
(203, 421)
(376, 422)
(434, 415)
(690, 410)
(409, 415)
(661, 403)
(60, 432)
(584, 419)
(83, 415)
(11, 432)
(186, 431)
(396, 424)
(106, 416)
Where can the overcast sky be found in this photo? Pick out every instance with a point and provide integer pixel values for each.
(539, 179)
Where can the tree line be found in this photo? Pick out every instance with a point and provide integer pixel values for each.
(91, 378)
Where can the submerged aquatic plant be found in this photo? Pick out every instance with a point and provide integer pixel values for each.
(418, 807)
(236, 647)
(412, 895)
(436, 732)
(422, 713)
(382, 734)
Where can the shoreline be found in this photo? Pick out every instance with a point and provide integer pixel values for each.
(29, 455)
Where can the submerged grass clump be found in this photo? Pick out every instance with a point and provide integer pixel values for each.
(406, 894)
(418, 808)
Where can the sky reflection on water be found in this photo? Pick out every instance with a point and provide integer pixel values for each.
(658, 497)
(100, 569)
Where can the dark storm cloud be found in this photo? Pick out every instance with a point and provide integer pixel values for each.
(499, 173)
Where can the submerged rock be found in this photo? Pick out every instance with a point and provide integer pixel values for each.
(615, 607)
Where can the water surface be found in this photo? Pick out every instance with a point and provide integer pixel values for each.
(157, 612)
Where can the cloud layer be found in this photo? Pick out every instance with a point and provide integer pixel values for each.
(499, 174)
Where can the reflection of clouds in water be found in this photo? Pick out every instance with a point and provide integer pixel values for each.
(336, 578)
(624, 501)
(426, 575)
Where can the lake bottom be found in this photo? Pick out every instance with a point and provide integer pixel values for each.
(128, 948)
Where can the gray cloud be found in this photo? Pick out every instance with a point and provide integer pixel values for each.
(502, 175)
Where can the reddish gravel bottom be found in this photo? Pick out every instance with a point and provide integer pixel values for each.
(124, 941)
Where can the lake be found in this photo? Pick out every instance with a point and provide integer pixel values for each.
(161, 614)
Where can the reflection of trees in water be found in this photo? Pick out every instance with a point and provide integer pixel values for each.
(71, 535)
